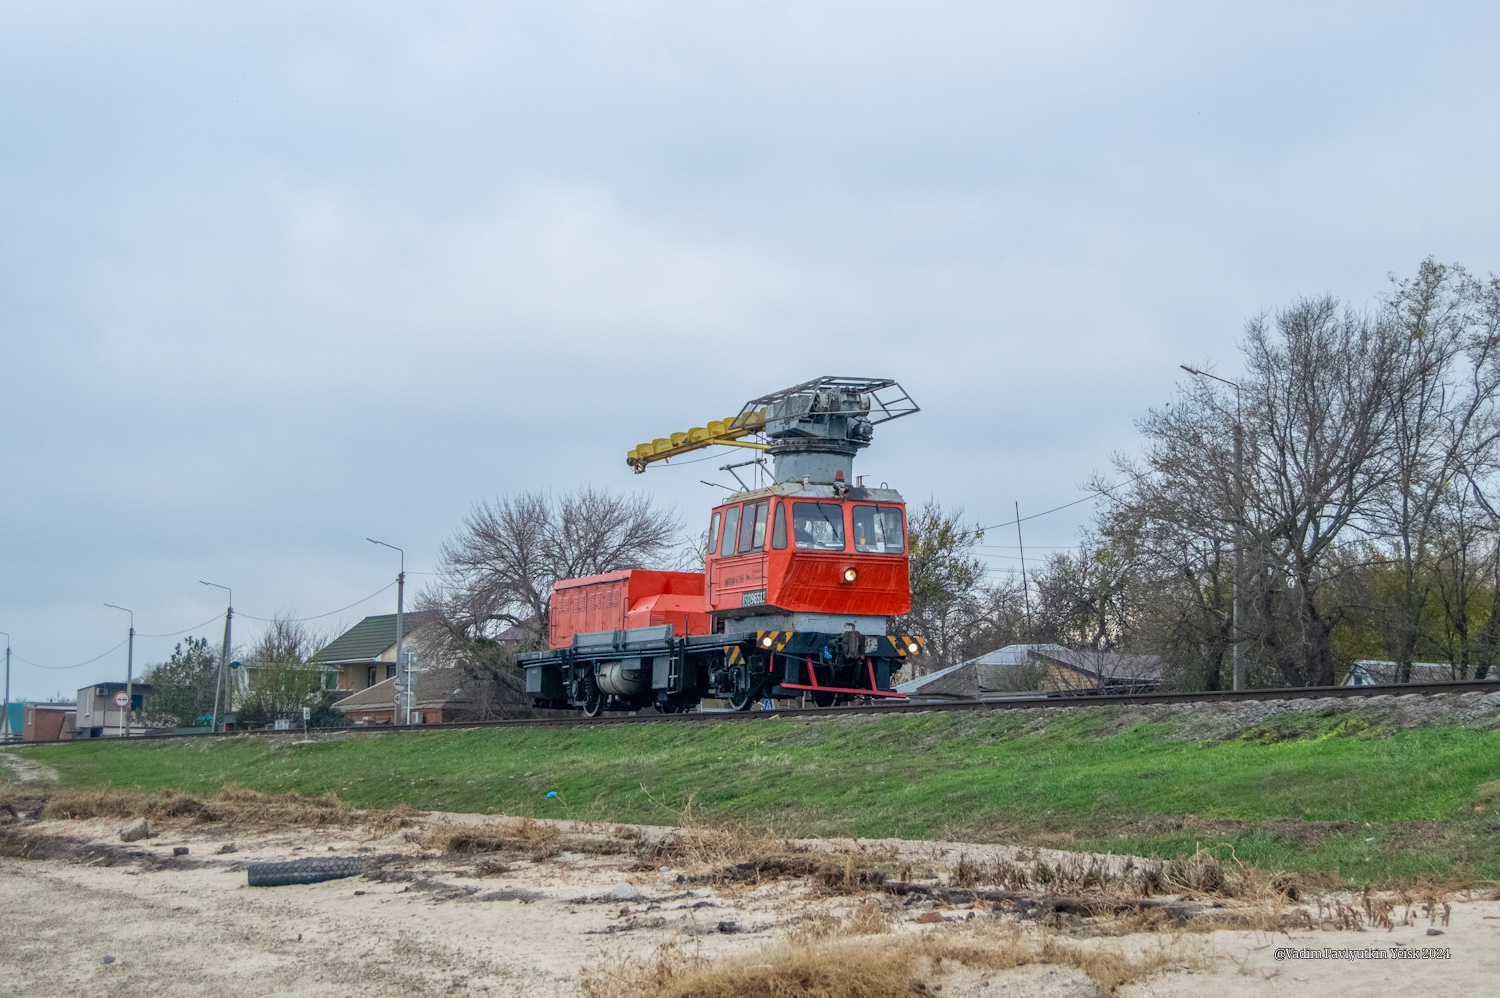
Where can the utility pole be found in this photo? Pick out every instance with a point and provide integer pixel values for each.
(9, 734)
(1025, 586)
(403, 701)
(129, 672)
(1239, 527)
(221, 677)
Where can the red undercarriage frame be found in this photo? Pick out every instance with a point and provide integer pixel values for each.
(871, 692)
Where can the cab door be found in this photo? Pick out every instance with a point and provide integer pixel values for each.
(737, 574)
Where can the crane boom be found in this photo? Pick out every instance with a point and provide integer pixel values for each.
(814, 428)
(719, 433)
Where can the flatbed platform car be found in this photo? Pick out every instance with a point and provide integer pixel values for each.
(800, 579)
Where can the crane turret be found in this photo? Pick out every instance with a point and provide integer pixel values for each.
(812, 430)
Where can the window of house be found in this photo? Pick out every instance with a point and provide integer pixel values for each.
(370, 676)
(713, 532)
(390, 670)
(878, 530)
(818, 526)
(731, 528)
(778, 532)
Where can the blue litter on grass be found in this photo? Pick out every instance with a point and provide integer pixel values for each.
(551, 793)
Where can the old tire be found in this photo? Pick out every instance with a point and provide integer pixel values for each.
(303, 871)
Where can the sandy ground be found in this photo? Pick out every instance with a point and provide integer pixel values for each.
(189, 926)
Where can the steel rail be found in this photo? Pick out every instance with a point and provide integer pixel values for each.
(1073, 699)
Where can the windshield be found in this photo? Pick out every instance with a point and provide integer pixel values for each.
(877, 529)
(818, 525)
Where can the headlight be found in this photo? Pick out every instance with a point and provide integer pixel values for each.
(765, 642)
(850, 575)
(913, 647)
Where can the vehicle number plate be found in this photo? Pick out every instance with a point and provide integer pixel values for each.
(756, 598)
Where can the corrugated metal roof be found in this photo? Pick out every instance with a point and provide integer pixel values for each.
(1014, 667)
(433, 686)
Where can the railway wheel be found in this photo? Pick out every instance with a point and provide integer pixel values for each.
(824, 698)
(740, 699)
(593, 699)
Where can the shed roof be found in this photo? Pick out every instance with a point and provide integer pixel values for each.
(1013, 668)
(434, 686)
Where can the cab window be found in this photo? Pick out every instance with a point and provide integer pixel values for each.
(713, 532)
(818, 526)
(731, 527)
(778, 532)
(878, 530)
(758, 539)
(753, 527)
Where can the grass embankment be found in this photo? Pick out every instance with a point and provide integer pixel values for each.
(1330, 792)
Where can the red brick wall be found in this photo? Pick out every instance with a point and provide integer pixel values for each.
(42, 725)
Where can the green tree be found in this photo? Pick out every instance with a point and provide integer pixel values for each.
(279, 680)
(182, 687)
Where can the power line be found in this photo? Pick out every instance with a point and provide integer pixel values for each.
(60, 668)
(319, 616)
(189, 630)
(1089, 498)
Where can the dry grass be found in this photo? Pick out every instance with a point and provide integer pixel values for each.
(512, 837)
(722, 856)
(232, 805)
(840, 965)
(1202, 875)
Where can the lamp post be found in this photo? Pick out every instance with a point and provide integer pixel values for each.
(9, 734)
(129, 672)
(1239, 524)
(221, 679)
(404, 701)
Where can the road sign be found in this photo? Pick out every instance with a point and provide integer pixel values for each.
(409, 657)
(122, 699)
(306, 714)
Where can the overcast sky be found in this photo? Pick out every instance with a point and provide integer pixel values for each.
(277, 277)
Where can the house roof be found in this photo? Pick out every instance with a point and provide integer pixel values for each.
(136, 687)
(1105, 664)
(959, 680)
(367, 640)
(1012, 668)
(434, 686)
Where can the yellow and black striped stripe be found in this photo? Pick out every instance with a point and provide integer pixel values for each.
(777, 639)
(903, 643)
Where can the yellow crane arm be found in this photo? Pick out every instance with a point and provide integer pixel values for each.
(720, 432)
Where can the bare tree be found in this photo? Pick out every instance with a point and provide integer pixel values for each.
(1440, 403)
(497, 572)
(954, 606)
(501, 564)
(279, 680)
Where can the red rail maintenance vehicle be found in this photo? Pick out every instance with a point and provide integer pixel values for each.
(800, 580)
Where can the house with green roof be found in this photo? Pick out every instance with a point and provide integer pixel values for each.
(365, 654)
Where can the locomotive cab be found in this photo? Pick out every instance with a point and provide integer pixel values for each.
(808, 557)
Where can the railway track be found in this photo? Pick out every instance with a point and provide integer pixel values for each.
(994, 704)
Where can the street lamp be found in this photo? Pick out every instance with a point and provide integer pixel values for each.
(221, 681)
(404, 701)
(1239, 525)
(129, 672)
